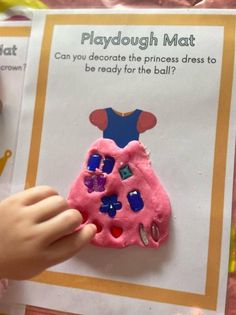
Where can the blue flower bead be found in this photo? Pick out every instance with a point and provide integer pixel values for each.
(110, 205)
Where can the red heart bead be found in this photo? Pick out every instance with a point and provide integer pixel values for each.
(116, 231)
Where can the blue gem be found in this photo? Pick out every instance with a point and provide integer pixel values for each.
(125, 172)
(108, 164)
(110, 205)
(94, 162)
(135, 200)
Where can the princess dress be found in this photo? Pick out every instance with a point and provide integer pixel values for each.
(117, 189)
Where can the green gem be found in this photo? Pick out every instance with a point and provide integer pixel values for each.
(125, 172)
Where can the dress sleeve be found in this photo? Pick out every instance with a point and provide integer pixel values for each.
(146, 121)
(99, 118)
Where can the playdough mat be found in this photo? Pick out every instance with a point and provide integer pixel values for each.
(13, 53)
(177, 65)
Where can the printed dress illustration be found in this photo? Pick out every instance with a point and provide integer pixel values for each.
(117, 189)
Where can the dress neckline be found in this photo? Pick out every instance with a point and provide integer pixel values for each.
(123, 114)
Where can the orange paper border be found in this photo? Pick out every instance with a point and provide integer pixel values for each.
(209, 299)
(15, 31)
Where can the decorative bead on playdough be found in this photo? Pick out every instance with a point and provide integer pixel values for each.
(110, 205)
(135, 200)
(143, 234)
(117, 189)
(108, 164)
(125, 172)
(94, 162)
(95, 183)
(155, 232)
(116, 231)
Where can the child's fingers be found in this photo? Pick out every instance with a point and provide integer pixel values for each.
(48, 208)
(33, 195)
(68, 246)
(61, 225)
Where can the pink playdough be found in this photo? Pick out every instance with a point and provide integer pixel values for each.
(147, 227)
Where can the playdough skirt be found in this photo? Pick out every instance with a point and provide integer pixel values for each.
(118, 191)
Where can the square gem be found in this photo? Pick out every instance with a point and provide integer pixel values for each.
(125, 172)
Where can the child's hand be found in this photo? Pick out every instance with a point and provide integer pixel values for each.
(37, 230)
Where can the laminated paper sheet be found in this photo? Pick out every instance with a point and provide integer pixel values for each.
(178, 65)
(13, 52)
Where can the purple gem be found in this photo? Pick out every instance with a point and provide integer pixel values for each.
(95, 183)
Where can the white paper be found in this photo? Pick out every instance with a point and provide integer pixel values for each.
(186, 101)
(13, 52)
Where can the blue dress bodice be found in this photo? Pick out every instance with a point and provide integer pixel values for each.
(121, 129)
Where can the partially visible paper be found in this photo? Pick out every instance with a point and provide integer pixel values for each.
(14, 38)
(31, 310)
